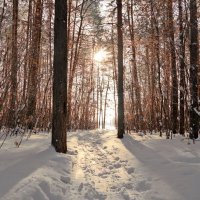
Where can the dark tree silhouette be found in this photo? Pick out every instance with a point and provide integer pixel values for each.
(34, 65)
(174, 103)
(194, 117)
(60, 77)
(182, 70)
(13, 90)
(120, 71)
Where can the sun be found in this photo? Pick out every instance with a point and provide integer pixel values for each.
(100, 55)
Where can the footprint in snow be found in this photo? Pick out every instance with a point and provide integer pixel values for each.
(90, 150)
(92, 193)
(129, 186)
(130, 170)
(110, 167)
(125, 194)
(113, 187)
(124, 161)
(80, 187)
(117, 165)
(117, 158)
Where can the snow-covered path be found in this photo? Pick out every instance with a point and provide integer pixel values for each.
(100, 166)
(100, 172)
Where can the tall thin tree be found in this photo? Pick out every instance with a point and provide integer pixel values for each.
(59, 135)
(14, 64)
(182, 70)
(34, 64)
(194, 117)
(120, 71)
(174, 92)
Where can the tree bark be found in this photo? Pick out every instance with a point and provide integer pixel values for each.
(105, 106)
(174, 92)
(59, 135)
(14, 64)
(194, 117)
(34, 65)
(2, 14)
(182, 70)
(120, 71)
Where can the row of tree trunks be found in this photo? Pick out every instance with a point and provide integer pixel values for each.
(160, 69)
(74, 59)
(166, 58)
(135, 82)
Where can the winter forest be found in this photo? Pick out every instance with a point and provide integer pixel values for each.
(99, 99)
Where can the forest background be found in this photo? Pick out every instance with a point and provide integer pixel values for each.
(161, 65)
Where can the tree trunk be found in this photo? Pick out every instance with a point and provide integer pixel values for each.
(194, 117)
(120, 71)
(105, 106)
(114, 73)
(14, 64)
(174, 101)
(28, 33)
(182, 70)
(2, 14)
(59, 135)
(34, 65)
(157, 52)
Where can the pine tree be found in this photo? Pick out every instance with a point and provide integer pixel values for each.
(174, 101)
(13, 98)
(34, 65)
(182, 70)
(60, 77)
(120, 71)
(194, 117)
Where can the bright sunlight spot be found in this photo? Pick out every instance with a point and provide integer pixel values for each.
(110, 118)
(100, 55)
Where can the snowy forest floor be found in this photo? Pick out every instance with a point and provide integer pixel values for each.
(100, 166)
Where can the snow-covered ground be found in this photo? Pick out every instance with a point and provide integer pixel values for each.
(100, 166)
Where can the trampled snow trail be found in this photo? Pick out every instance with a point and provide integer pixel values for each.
(106, 169)
(100, 166)
(99, 172)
